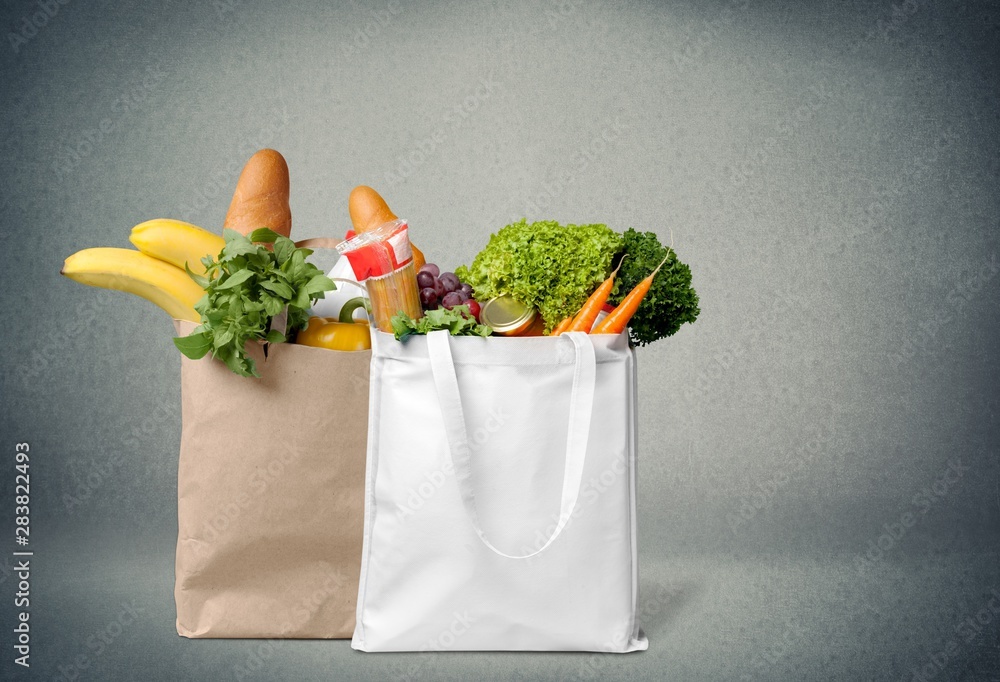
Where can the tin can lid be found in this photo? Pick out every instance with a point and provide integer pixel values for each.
(505, 315)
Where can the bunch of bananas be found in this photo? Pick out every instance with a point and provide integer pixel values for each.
(156, 270)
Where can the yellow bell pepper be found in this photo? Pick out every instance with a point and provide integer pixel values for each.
(338, 334)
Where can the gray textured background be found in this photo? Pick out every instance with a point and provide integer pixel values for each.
(830, 174)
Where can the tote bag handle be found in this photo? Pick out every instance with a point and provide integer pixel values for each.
(581, 410)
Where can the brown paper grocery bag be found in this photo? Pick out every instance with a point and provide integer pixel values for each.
(270, 494)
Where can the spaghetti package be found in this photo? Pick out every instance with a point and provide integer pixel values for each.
(382, 259)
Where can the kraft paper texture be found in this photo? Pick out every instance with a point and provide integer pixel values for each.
(270, 494)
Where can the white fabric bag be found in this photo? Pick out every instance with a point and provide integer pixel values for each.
(500, 496)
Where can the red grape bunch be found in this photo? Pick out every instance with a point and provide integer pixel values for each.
(443, 289)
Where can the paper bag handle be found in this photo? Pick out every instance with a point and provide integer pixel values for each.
(581, 411)
(318, 243)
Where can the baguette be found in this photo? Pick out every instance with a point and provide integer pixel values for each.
(261, 196)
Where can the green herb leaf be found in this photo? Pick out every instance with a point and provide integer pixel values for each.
(301, 299)
(246, 286)
(198, 279)
(272, 304)
(319, 284)
(264, 235)
(283, 250)
(279, 288)
(458, 321)
(222, 338)
(194, 346)
(234, 280)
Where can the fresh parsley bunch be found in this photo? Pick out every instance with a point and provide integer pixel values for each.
(246, 286)
(459, 321)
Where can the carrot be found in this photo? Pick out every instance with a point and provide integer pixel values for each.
(618, 319)
(261, 196)
(368, 210)
(562, 326)
(584, 319)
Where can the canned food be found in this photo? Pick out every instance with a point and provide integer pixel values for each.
(509, 317)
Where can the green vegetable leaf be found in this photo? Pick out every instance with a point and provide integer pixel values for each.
(670, 302)
(222, 338)
(246, 286)
(234, 249)
(283, 249)
(198, 279)
(279, 288)
(194, 346)
(301, 299)
(264, 235)
(272, 304)
(458, 321)
(548, 266)
(234, 280)
(319, 284)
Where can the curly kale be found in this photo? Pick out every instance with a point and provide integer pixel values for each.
(671, 300)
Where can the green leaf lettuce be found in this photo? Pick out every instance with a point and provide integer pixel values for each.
(548, 266)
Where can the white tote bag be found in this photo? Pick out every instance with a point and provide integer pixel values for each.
(500, 496)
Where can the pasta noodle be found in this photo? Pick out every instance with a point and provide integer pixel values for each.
(383, 260)
(394, 293)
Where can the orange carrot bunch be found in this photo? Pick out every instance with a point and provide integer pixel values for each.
(618, 319)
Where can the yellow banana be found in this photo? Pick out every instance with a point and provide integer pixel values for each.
(176, 242)
(126, 270)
